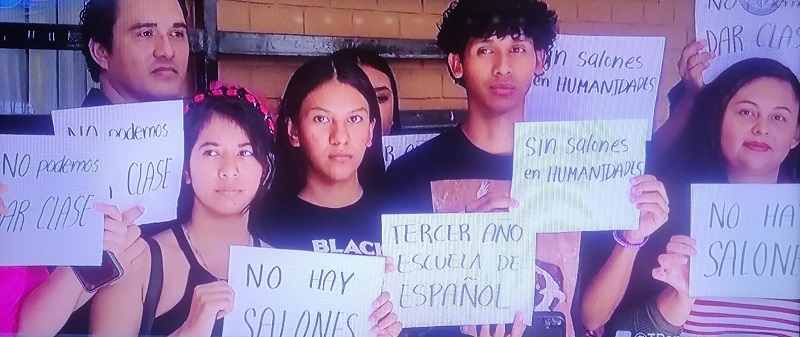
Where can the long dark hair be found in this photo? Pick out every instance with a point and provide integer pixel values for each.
(372, 59)
(243, 109)
(290, 174)
(700, 143)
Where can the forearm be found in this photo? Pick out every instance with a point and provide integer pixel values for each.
(48, 307)
(605, 291)
(109, 318)
(673, 306)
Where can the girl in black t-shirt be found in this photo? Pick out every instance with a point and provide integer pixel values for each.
(329, 166)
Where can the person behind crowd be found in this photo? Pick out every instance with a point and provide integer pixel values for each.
(383, 80)
(743, 128)
(691, 65)
(137, 51)
(329, 167)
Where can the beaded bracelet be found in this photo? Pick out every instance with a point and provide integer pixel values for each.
(620, 241)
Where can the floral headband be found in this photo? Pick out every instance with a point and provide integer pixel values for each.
(216, 89)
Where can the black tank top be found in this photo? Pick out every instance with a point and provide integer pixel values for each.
(171, 320)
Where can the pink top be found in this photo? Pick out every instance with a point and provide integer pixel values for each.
(16, 283)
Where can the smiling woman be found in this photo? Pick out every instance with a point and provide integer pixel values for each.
(743, 129)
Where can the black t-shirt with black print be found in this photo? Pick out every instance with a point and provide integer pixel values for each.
(293, 223)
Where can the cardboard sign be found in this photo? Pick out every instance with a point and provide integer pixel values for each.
(748, 241)
(459, 269)
(298, 293)
(598, 77)
(742, 29)
(396, 146)
(557, 254)
(52, 186)
(147, 153)
(575, 176)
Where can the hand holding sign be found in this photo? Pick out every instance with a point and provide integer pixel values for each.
(584, 166)
(500, 330)
(742, 29)
(122, 237)
(3, 208)
(692, 64)
(150, 178)
(384, 318)
(210, 302)
(650, 197)
(492, 202)
(463, 263)
(674, 264)
(307, 293)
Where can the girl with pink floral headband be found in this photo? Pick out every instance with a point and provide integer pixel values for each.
(228, 166)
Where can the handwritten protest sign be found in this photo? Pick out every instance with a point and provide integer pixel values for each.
(147, 141)
(557, 254)
(748, 241)
(598, 77)
(575, 176)
(398, 145)
(741, 29)
(297, 293)
(51, 190)
(479, 265)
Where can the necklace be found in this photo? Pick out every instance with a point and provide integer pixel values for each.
(200, 256)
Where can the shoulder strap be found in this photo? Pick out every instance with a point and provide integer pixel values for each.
(187, 250)
(154, 286)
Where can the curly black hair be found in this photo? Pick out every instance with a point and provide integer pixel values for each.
(98, 18)
(467, 19)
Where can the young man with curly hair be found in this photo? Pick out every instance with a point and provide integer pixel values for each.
(494, 49)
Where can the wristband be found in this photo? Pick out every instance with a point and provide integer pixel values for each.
(621, 241)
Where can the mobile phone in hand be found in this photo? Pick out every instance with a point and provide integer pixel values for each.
(547, 324)
(93, 278)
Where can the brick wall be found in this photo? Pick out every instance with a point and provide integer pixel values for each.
(426, 84)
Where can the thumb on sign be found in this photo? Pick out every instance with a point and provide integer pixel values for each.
(674, 263)
(492, 202)
(3, 208)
